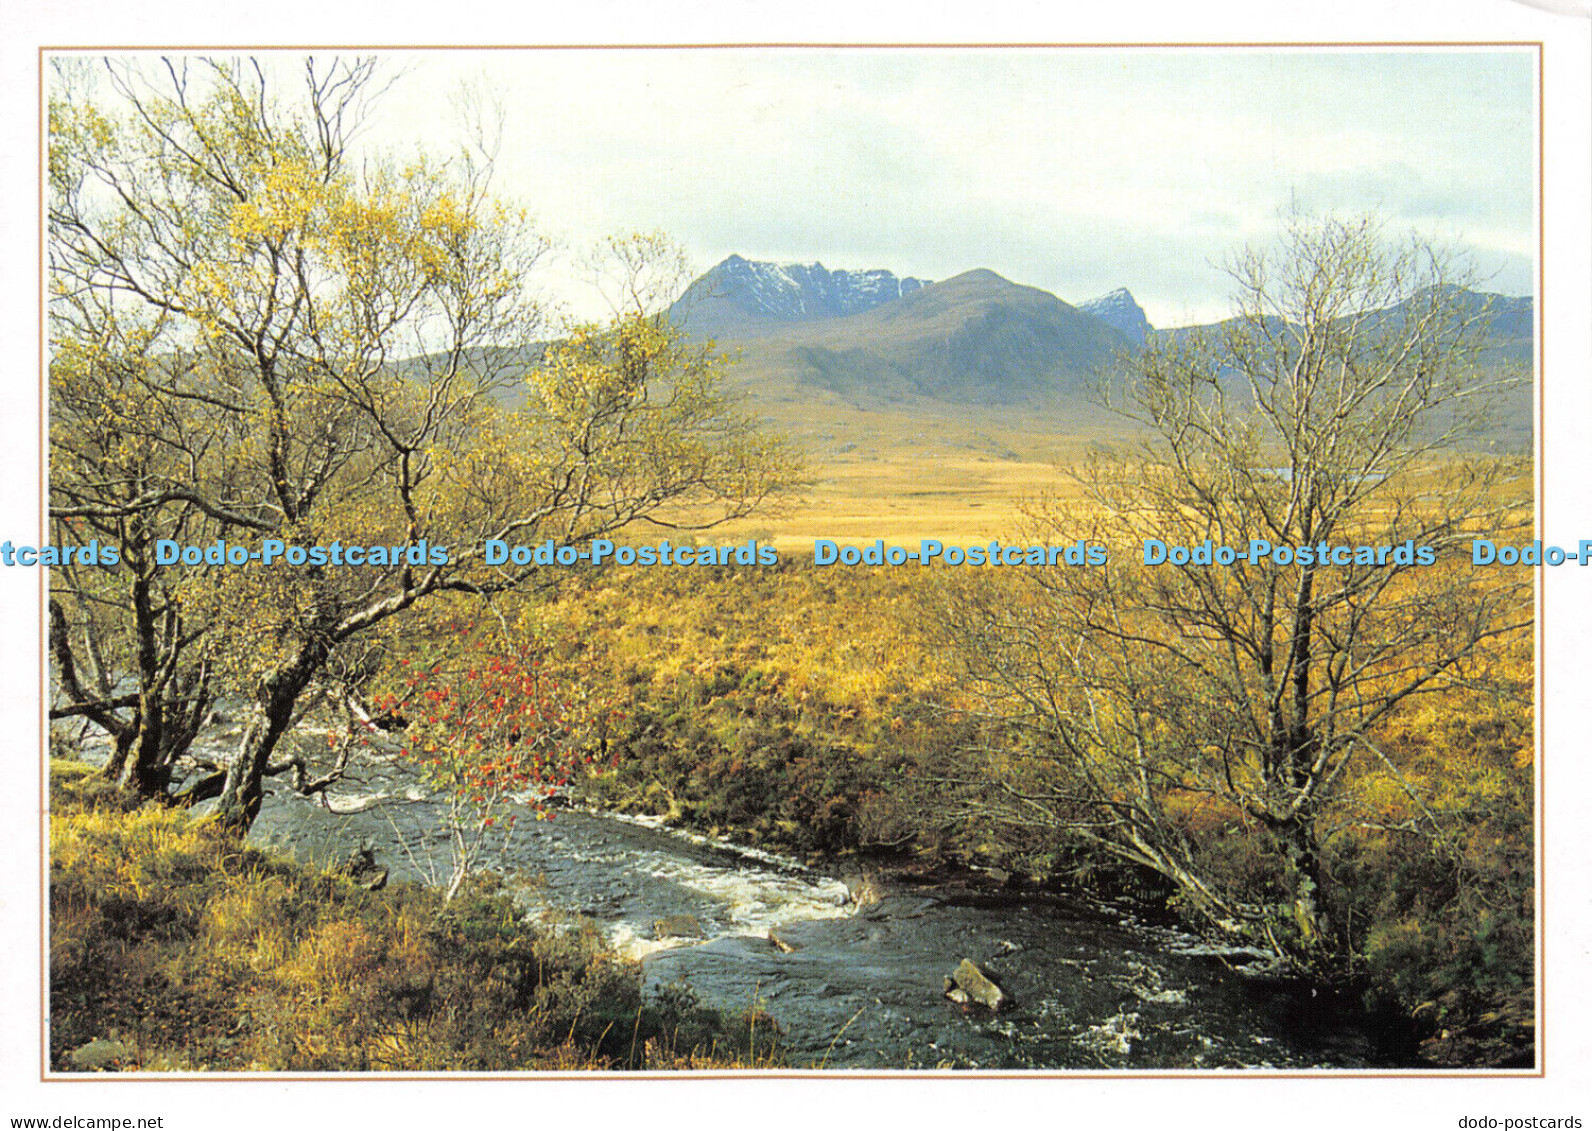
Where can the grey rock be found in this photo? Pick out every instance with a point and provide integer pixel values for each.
(974, 986)
(678, 927)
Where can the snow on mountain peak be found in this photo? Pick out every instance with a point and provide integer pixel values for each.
(1119, 310)
(796, 291)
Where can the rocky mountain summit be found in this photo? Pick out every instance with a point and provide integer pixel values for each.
(876, 338)
(739, 294)
(1121, 311)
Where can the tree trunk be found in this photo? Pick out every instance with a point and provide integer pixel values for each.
(143, 772)
(1302, 875)
(241, 794)
(118, 759)
(1193, 892)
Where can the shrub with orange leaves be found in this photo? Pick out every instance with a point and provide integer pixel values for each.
(491, 733)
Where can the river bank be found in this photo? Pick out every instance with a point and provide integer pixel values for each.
(173, 949)
(814, 713)
(846, 950)
(852, 972)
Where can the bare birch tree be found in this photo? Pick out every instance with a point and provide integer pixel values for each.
(1332, 417)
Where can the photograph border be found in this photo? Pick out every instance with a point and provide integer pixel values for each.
(1541, 397)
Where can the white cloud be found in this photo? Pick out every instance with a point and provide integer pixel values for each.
(1074, 170)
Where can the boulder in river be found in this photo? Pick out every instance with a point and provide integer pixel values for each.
(968, 984)
(863, 889)
(678, 927)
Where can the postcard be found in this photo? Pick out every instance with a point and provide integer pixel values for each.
(690, 565)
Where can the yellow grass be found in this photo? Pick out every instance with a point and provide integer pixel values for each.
(907, 471)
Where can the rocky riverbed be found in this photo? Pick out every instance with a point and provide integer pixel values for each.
(858, 979)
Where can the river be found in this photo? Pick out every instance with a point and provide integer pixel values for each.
(1095, 985)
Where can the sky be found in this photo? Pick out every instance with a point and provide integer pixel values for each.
(1074, 170)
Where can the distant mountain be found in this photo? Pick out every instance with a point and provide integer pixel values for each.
(1506, 349)
(1122, 313)
(1506, 323)
(740, 296)
(976, 338)
(871, 336)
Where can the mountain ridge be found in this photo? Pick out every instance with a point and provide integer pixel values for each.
(741, 296)
(975, 338)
